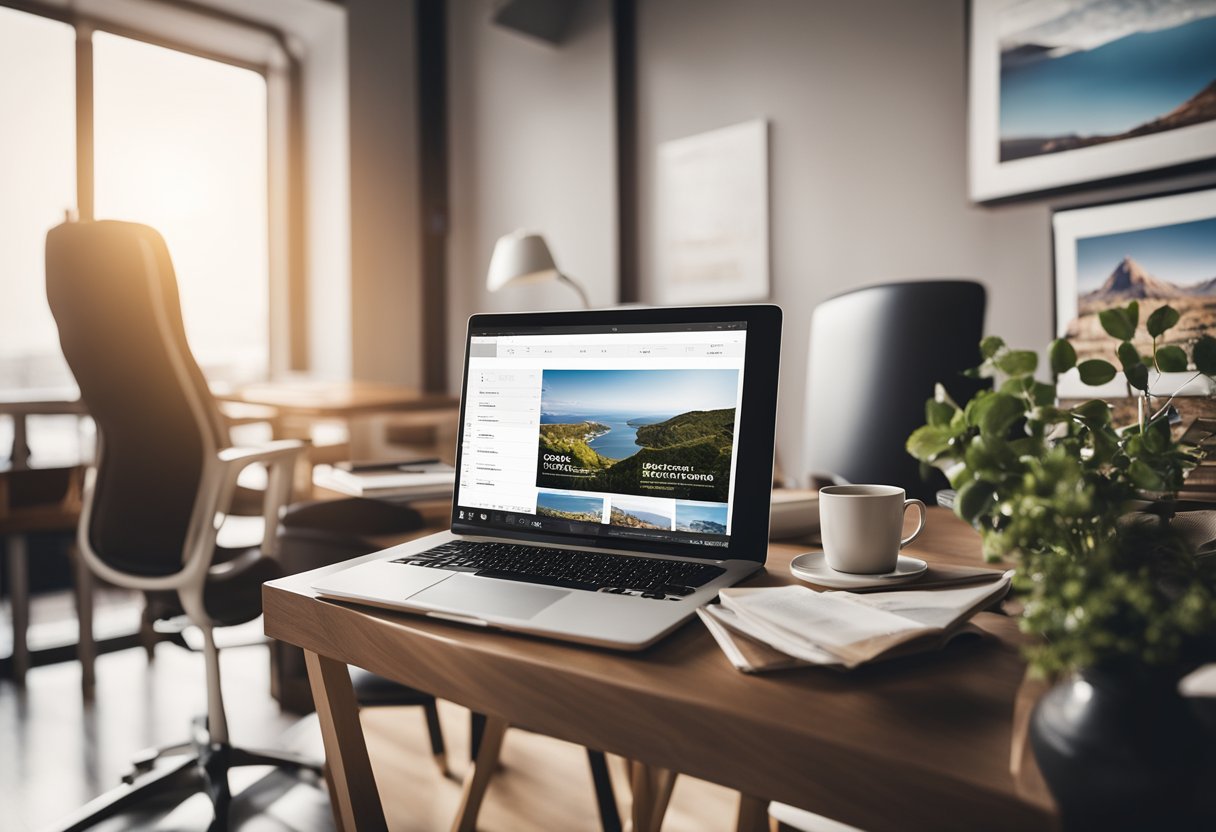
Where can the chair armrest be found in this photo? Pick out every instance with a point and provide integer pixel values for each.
(280, 458)
(270, 452)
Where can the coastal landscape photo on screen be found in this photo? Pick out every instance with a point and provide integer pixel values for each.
(648, 433)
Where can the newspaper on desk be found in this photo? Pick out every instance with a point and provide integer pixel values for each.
(776, 627)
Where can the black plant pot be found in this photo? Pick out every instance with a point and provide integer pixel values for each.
(1120, 751)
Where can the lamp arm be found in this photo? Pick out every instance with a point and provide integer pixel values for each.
(582, 293)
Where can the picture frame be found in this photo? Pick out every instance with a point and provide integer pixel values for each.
(712, 218)
(1155, 250)
(1067, 92)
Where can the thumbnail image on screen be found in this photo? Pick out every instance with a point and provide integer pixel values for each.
(580, 508)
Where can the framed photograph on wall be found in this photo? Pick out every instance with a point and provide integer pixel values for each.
(1154, 251)
(712, 216)
(1070, 91)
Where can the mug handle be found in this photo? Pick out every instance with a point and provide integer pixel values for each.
(920, 528)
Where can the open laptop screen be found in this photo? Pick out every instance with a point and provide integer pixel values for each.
(625, 433)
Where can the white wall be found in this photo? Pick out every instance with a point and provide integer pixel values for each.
(867, 110)
(532, 145)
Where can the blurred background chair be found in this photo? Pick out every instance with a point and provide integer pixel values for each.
(164, 476)
(875, 355)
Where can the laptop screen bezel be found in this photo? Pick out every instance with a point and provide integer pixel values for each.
(757, 424)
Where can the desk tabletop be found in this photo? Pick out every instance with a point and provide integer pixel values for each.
(921, 742)
(338, 398)
(41, 402)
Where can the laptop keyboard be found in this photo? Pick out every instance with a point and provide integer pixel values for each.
(591, 571)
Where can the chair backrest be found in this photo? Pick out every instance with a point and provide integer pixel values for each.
(875, 354)
(113, 293)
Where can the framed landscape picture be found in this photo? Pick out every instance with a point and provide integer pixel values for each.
(1070, 91)
(1154, 251)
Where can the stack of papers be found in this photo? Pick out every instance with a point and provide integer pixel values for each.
(791, 626)
(407, 481)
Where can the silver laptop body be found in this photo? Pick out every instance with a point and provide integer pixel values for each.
(588, 441)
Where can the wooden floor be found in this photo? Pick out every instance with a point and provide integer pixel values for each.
(57, 752)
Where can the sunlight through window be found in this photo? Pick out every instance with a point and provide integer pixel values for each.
(181, 145)
(37, 187)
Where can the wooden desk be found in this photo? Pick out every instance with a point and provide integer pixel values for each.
(21, 404)
(300, 403)
(919, 743)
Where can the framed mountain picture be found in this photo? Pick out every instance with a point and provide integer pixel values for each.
(1154, 251)
(1063, 92)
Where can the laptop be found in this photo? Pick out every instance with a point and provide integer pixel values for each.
(613, 473)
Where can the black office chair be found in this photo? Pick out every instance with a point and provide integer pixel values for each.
(875, 355)
(164, 475)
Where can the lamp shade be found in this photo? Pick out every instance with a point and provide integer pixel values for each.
(520, 256)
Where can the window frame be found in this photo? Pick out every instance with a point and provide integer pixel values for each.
(281, 69)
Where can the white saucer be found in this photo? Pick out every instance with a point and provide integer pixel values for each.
(813, 567)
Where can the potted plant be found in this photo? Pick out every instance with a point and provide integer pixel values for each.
(1119, 600)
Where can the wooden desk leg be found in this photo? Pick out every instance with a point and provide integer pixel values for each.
(652, 788)
(753, 814)
(19, 598)
(481, 768)
(352, 787)
(86, 649)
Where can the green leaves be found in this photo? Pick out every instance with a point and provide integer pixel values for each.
(1061, 356)
(1133, 366)
(929, 441)
(974, 499)
(1171, 359)
(1093, 413)
(1205, 355)
(1017, 362)
(991, 345)
(1162, 319)
(1095, 371)
(1049, 488)
(998, 412)
(1144, 476)
(1120, 322)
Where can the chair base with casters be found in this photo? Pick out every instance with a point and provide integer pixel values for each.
(198, 763)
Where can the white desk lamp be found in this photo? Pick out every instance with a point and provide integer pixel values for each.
(523, 257)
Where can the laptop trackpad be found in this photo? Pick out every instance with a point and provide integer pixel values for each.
(471, 595)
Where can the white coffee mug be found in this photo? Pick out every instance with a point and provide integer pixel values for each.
(861, 526)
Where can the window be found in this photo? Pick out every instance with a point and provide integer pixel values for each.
(180, 145)
(37, 187)
(179, 142)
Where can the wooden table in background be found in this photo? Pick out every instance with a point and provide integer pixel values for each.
(359, 404)
(41, 497)
(918, 743)
(21, 404)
